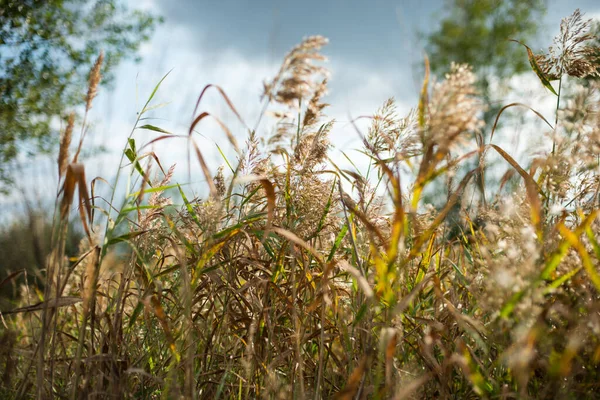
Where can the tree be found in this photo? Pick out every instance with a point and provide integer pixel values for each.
(46, 50)
(477, 32)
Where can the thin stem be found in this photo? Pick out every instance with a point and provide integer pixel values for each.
(556, 114)
(549, 198)
(299, 122)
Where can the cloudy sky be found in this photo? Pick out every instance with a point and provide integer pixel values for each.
(238, 44)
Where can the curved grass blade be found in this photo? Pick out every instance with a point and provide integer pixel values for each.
(230, 136)
(589, 267)
(562, 279)
(189, 207)
(424, 98)
(532, 190)
(514, 105)
(11, 276)
(338, 241)
(153, 128)
(416, 249)
(145, 108)
(52, 303)
(270, 193)
(536, 68)
(125, 237)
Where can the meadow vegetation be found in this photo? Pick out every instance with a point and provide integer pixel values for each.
(294, 278)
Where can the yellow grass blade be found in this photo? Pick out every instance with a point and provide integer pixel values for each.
(589, 267)
(532, 191)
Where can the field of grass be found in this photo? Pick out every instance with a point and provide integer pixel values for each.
(296, 279)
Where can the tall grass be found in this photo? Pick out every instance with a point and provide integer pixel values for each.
(294, 278)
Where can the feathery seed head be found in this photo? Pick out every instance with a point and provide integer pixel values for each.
(571, 52)
(391, 134)
(454, 108)
(296, 77)
(94, 80)
(65, 142)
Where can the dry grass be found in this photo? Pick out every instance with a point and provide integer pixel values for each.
(296, 279)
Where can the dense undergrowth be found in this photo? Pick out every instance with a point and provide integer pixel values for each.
(294, 278)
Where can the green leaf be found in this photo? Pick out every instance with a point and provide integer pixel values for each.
(225, 158)
(132, 156)
(562, 279)
(536, 68)
(511, 304)
(189, 208)
(338, 241)
(360, 314)
(131, 142)
(136, 313)
(154, 128)
(154, 189)
(125, 237)
(153, 93)
(146, 207)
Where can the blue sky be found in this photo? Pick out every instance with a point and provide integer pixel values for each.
(376, 31)
(372, 54)
(373, 51)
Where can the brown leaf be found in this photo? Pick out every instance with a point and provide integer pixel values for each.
(205, 170)
(52, 303)
(75, 178)
(353, 383)
(270, 192)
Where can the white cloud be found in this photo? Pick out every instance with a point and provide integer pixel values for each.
(356, 92)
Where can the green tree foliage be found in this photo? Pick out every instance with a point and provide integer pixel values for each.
(476, 32)
(46, 50)
(25, 244)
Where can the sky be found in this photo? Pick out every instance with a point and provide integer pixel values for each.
(373, 53)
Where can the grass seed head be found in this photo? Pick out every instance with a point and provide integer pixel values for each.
(454, 108)
(573, 51)
(296, 79)
(65, 142)
(93, 82)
